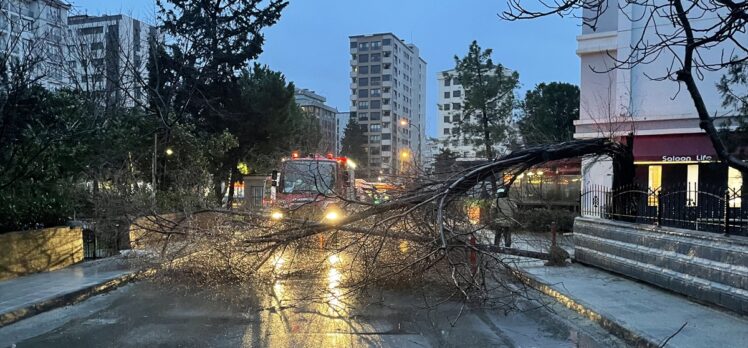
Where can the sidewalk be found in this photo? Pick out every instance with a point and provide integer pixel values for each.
(640, 313)
(28, 295)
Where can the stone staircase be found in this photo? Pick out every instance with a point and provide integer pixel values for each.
(705, 266)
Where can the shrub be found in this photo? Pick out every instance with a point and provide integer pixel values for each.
(540, 219)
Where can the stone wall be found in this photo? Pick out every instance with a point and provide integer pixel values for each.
(705, 266)
(48, 249)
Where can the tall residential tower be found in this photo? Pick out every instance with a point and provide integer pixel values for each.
(388, 97)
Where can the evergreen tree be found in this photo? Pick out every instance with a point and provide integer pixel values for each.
(548, 113)
(354, 141)
(489, 100)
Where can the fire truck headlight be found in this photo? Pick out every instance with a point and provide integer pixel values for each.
(276, 215)
(333, 215)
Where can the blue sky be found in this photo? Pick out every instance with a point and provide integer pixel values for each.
(310, 43)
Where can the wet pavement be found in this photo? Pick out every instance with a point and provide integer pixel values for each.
(314, 311)
(36, 288)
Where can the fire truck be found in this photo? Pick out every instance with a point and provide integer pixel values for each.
(312, 187)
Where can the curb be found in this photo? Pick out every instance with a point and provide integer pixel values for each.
(70, 298)
(608, 323)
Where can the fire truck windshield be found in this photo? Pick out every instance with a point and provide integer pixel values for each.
(308, 176)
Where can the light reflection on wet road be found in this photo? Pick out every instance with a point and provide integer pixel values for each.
(310, 312)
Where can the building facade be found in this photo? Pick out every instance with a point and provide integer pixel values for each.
(388, 97)
(341, 122)
(314, 104)
(670, 149)
(35, 32)
(108, 57)
(451, 98)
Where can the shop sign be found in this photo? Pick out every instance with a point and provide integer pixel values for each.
(698, 158)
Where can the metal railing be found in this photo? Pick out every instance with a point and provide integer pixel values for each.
(702, 208)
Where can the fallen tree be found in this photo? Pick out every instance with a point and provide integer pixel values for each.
(422, 235)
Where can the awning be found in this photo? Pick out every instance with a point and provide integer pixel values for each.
(674, 148)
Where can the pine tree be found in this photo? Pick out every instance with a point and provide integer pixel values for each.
(489, 99)
(354, 141)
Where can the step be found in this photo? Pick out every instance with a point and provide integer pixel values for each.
(714, 247)
(730, 275)
(695, 287)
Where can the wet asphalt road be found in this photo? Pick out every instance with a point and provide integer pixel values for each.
(292, 313)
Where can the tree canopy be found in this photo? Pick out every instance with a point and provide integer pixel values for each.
(488, 102)
(548, 113)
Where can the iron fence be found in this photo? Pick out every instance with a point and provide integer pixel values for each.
(702, 208)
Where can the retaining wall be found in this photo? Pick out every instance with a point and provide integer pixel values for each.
(48, 249)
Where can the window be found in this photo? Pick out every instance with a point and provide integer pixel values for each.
(363, 58)
(446, 131)
(375, 92)
(92, 30)
(363, 46)
(446, 107)
(375, 116)
(386, 136)
(385, 125)
(447, 82)
(446, 94)
(363, 70)
(386, 112)
(363, 93)
(376, 104)
(376, 69)
(375, 127)
(456, 93)
(735, 185)
(692, 185)
(386, 42)
(386, 147)
(455, 82)
(456, 106)
(364, 81)
(354, 44)
(386, 77)
(456, 118)
(446, 119)
(386, 102)
(375, 138)
(376, 81)
(376, 44)
(363, 104)
(653, 185)
(363, 116)
(376, 57)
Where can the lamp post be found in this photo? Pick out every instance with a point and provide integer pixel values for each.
(406, 123)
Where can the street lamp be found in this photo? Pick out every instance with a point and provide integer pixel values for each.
(169, 151)
(405, 123)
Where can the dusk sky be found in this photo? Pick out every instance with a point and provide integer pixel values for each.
(310, 42)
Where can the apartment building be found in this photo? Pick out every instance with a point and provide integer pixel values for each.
(34, 32)
(669, 146)
(388, 97)
(314, 104)
(109, 55)
(451, 97)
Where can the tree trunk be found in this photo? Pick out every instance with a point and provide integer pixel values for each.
(232, 179)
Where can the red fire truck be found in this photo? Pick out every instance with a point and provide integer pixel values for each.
(312, 187)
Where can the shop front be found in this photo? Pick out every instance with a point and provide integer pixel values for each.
(682, 162)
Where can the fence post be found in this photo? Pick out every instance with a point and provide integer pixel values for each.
(659, 207)
(727, 212)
